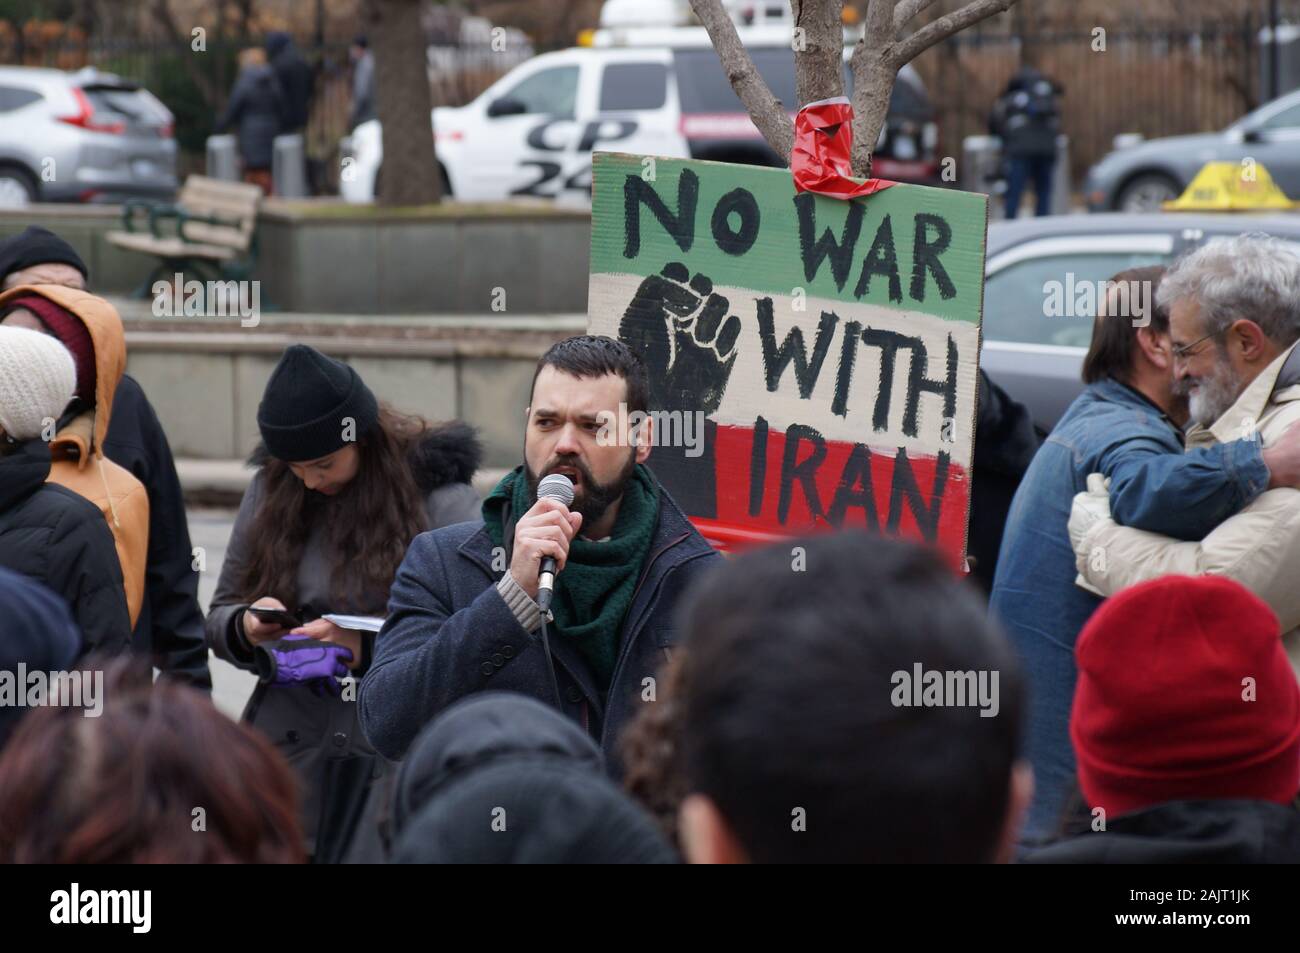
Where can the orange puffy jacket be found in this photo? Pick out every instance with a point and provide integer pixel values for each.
(79, 461)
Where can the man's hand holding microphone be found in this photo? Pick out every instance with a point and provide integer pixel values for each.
(543, 534)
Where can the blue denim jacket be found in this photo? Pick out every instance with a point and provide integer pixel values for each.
(1114, 430)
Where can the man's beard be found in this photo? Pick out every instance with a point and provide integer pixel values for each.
(591, 499)
(1216, 392)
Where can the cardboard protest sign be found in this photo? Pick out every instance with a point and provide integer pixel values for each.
(828, 350)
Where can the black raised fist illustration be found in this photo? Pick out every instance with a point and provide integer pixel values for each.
(683, 332)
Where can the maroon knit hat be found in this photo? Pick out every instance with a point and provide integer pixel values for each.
(1184, 693)
(74, 335)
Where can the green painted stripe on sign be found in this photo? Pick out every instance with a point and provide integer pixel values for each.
(750, 229)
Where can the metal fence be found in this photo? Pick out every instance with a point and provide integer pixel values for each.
(1156, 79)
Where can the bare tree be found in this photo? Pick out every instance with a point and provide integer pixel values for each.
(818, 44)
(410, 172)
(210, 87)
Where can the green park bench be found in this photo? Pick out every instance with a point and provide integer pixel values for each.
(215, 231)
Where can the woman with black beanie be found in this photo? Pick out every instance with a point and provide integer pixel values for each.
(344, 483)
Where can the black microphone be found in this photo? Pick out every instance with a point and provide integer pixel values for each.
(554, 487)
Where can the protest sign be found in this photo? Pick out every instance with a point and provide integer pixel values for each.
(829, 348)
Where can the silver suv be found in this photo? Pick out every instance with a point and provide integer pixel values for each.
(81, 137)
(1139, 178)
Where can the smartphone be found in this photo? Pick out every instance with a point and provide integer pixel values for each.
(277, 616)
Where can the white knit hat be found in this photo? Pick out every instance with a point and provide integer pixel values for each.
(37, 380)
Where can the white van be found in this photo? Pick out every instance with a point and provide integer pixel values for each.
(533, 131)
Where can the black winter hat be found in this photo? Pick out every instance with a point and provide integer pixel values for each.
(501, 778)
(38, 246)
(307, 404)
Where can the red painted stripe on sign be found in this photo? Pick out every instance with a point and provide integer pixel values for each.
(909, 494)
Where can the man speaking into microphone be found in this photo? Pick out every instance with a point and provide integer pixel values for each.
(463, 611)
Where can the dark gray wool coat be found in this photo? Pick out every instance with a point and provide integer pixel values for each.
(319, 734)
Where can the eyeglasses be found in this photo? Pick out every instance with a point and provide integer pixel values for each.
(1184, 352)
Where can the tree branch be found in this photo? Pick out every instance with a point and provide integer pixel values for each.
(764, 108)
(208, 89)
(873, 81)
(939, 30)
(908, 9)
(818, 59)
(879, 26)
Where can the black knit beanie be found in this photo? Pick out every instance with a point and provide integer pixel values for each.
(503, 756)
(307, 404)
(38, 246)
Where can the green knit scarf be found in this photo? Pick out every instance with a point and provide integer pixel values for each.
(595, 590)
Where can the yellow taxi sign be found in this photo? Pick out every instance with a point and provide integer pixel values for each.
(1243, 186)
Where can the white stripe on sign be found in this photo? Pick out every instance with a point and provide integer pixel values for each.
(876, 389)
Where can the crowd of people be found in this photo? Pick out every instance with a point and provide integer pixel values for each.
(271, 97)
(1178, 459)
(1136, 700)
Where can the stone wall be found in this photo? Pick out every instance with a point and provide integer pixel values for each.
(206, 387)
(328, 258)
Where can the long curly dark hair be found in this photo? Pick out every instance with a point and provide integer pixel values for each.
(652, 769)
(368, 525)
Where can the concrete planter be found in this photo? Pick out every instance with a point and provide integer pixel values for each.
(329, 258)
(468, 259)
(206, 385)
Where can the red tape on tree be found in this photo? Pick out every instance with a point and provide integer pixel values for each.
(823, 143)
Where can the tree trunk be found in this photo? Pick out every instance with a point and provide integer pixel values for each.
(872, 74)
(819, 48)
(245, 21)
(213, 89)
(409, 175)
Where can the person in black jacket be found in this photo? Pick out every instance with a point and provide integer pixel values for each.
(170, 626)
(295, 76)
(343, 485)
(1005, 442)
(500, 778)
(47, 532)
(37, 631)
(464, 614)
(257, 106)
(1027, 120)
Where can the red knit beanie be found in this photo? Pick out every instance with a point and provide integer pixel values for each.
(72, 331)
(1163, 710)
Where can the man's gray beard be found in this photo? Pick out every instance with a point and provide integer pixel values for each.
(1215, 395)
